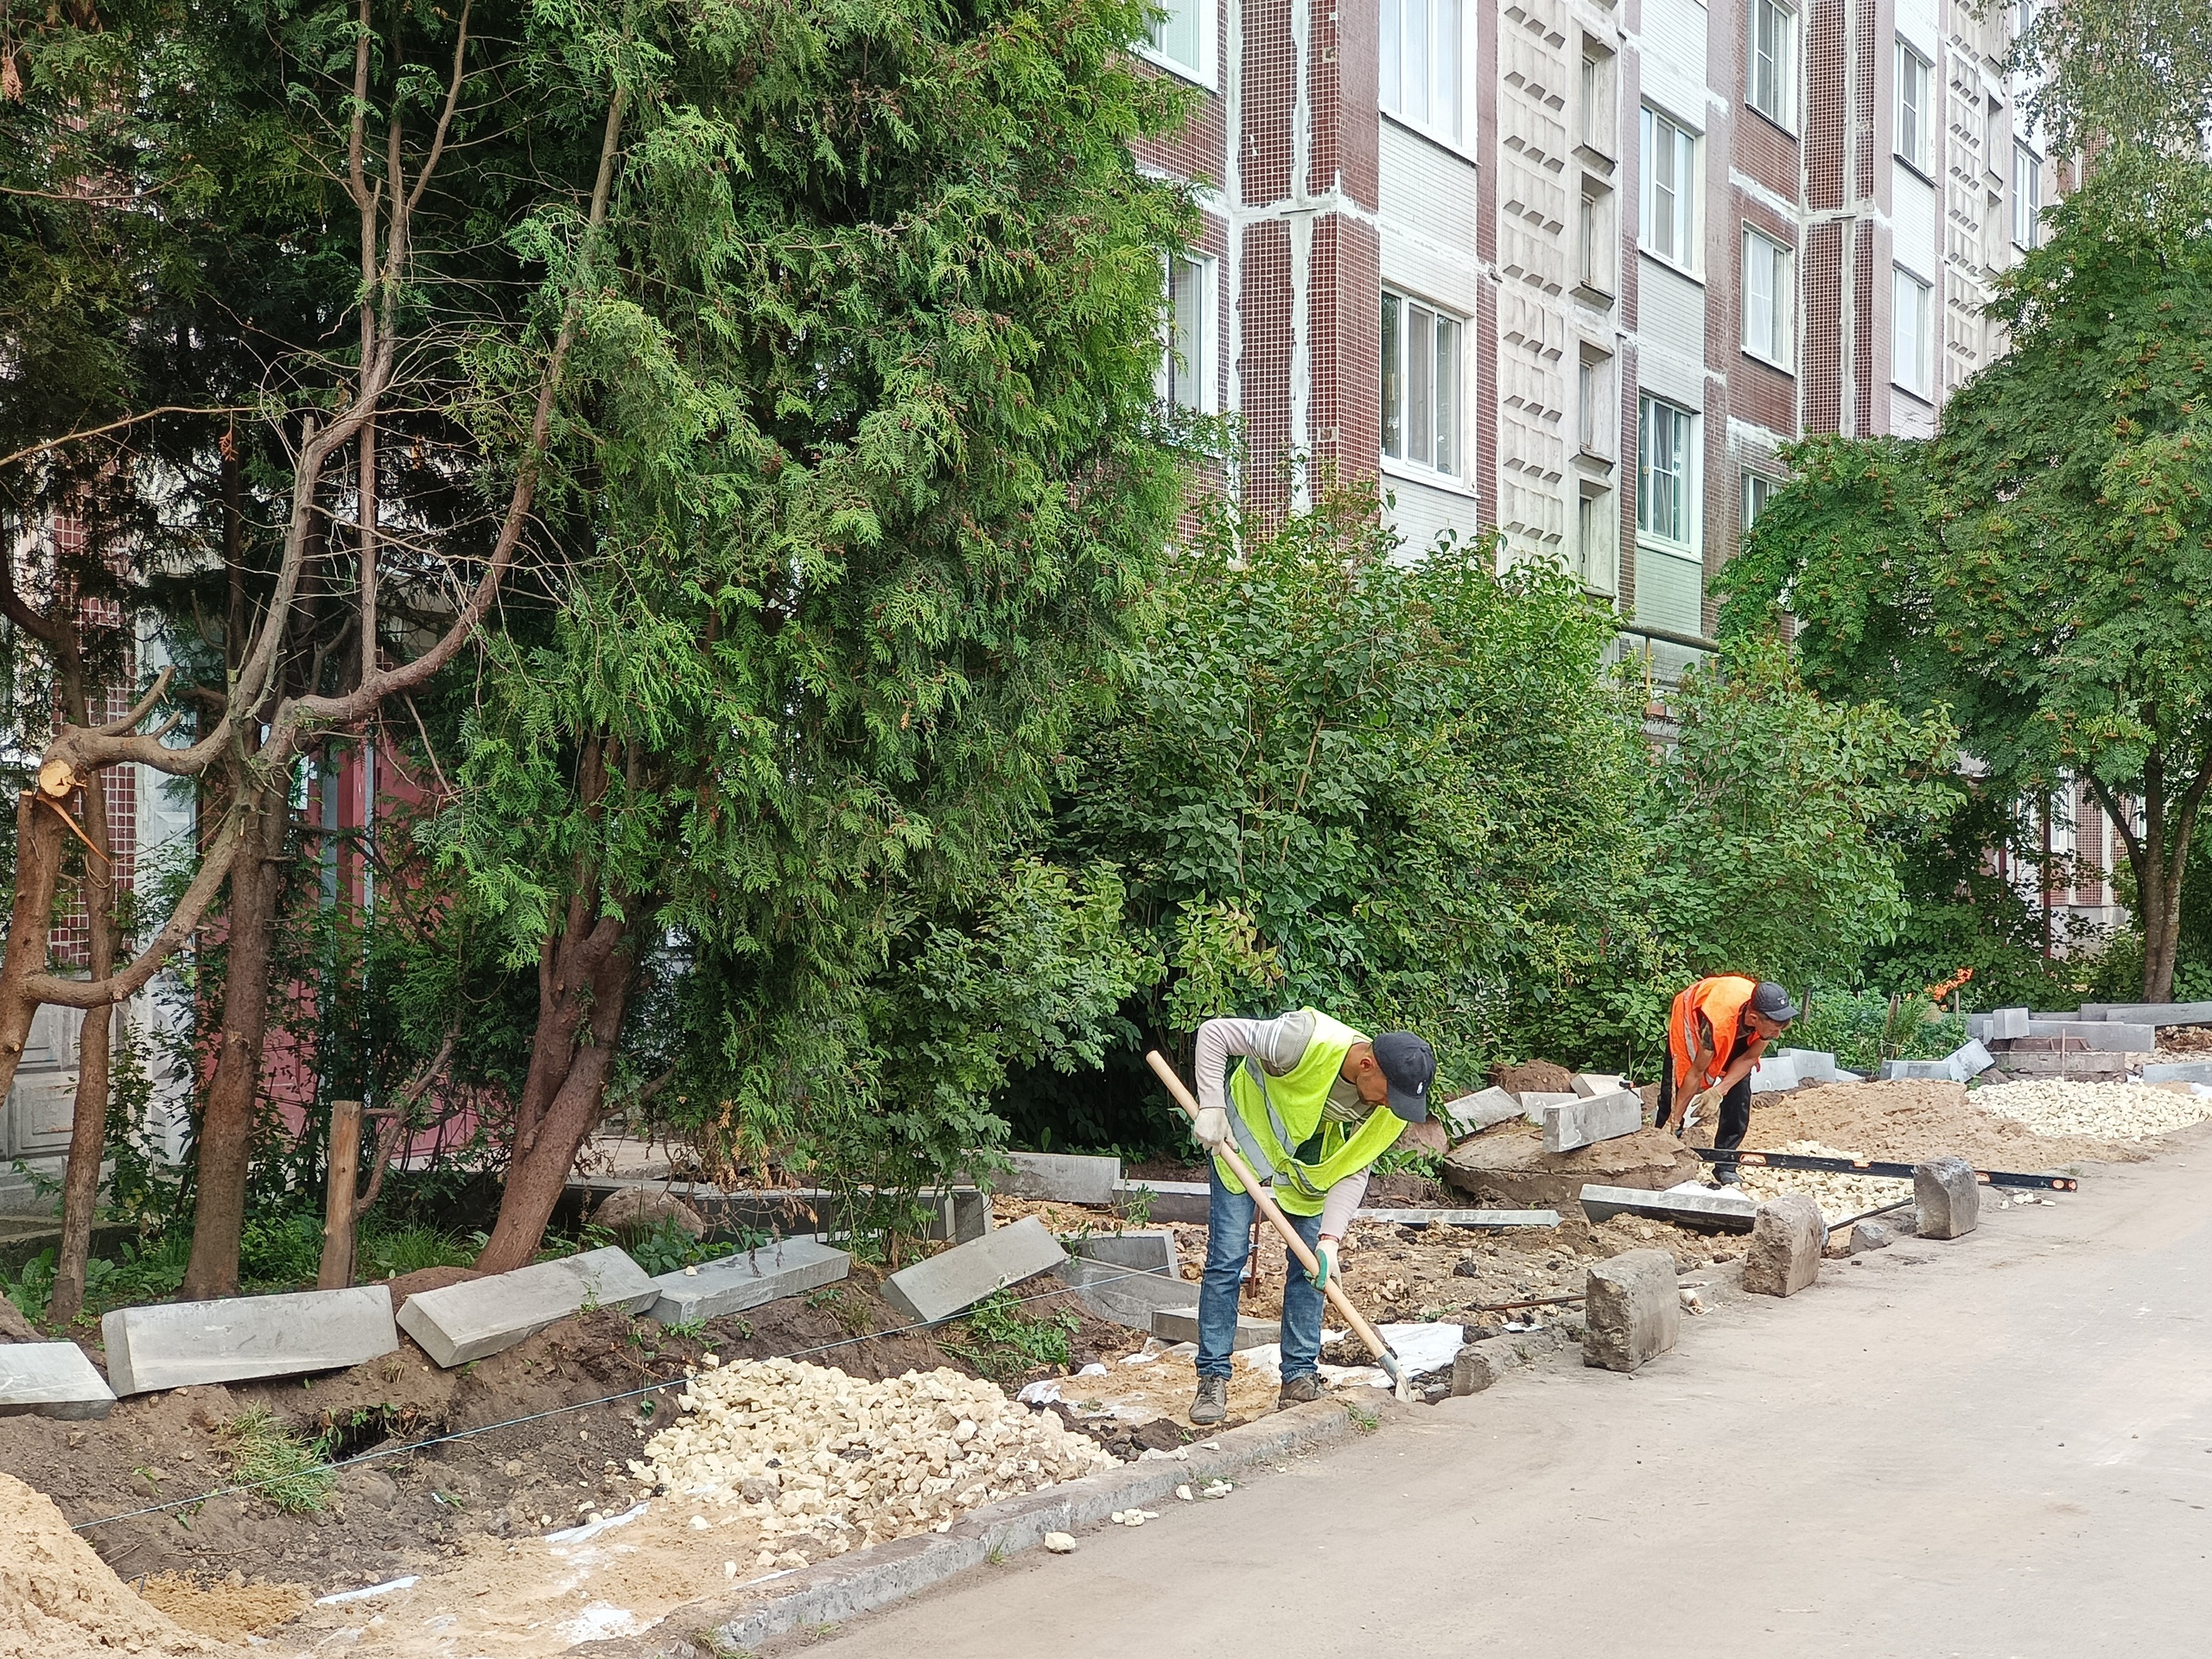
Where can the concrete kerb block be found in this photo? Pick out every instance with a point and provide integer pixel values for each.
(1061, 1178)
(1584, 1122)
(2150, 1014)
(1181, 1324)
(1144, 1250)
(1535, 1102)
(733, 1283)
(1473, 1114)
(1969, 1061)
(1183, 1201)
(1474, 1368)
(488, 1316)
(176, 1344)
(1917, 1071)
(1788, 1235)
(1632, 1312)
(52, 1379)
(1811, 1064)
(2179, 1071)
(950, 1283)
(1591, 1084)
(2101, 1035)
(1946, 1199)
(1774, 1074)
(1720, 1211)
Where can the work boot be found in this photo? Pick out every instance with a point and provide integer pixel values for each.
(1211, 1403)
(1726, 1175)
(1300, 1391)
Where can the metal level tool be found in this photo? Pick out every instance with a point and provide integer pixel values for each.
(1869, 1166)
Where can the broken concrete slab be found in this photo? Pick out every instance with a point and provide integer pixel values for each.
(1181, 1324)
(2179, 1071)
(1473, 1114)
(1788, 1234)
(2100, 1034)
(1504, 1219)
(1148, 1249)
(1631, 1310)
(1535, 1102)
(1585, 1121)
(1970, 1060)
(733, 1283)
(1716, 1211)
(176, 1344)
(488, 1316)
(1062, 1178)
(52, 1379)
(1870, 1235)
(1946, 1199)
(1183, 1201)
(950, 1283)
(1591, 1084)
(1511, 1169)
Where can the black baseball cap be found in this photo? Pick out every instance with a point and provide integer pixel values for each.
(1409, 1064)
(1771, 1001)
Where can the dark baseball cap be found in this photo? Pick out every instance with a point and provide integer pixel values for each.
(1771, 1001)
(1409, 1065)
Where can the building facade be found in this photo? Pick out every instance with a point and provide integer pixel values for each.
(1576, 270)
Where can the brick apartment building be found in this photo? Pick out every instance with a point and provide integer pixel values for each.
(1577, 271)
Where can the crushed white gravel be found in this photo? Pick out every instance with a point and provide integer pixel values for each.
(824, 1462)
(1837, 1195)
(2109, 1111)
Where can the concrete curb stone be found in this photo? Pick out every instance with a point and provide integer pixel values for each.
(867, 1578)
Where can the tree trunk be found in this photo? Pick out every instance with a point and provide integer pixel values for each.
(31, 924)
(583, 992)
(80, 1181)
(226, 1120)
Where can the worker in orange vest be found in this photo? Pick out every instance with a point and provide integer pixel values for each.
(1716, 1032)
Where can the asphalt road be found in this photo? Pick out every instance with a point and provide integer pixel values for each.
(2000, 1445)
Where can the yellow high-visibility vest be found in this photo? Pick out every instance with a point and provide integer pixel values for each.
(1275, 1118)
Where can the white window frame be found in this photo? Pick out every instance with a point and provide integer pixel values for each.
(1439, 20)
(1910, 296)
(1758, 491)
(1596, 251)
(1409, 307)
(1779, 346)
(1597, 541)
(1202, 366)
(2027, 196)
(1684, 226)
(1912, 148)
(1686, 426)
(1599, 123)
(1206, 14)
(1771, 78)
(1597, 420)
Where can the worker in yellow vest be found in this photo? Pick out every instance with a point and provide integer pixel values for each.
(1311, 1105)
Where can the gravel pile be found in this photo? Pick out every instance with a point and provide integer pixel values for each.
(1837, 1195)
(823, 1462)
(2116, 1111)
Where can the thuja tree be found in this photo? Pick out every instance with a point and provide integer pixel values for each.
(2041, 566)
(868, 524)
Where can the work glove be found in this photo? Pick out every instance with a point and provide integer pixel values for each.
(1210, 1130)
(1707, 1103)
(1325, 1257)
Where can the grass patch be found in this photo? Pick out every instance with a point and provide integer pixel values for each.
(1004, 1344)
(279, 1465)
(387, 1254)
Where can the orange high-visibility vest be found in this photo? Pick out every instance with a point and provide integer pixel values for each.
(1721, 999)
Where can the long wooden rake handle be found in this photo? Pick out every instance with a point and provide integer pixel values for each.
(1384, 1354)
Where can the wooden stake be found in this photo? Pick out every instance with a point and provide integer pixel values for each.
(340, 1204)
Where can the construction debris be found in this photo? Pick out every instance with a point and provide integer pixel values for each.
(1787, 1238)
(1947, 1200)
(1631, 1310)
(822, 1462)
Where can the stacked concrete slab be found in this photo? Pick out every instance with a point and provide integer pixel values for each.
(51, 1379)
(950, 1283)
(175, 1345)
(1584, 1121)
(487, 1316)
(789, 1267)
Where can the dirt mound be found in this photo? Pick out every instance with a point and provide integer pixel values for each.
(228, 1609)
(1532, 1077)
(423, 1278)
(1510, 1167)
(1906, 1121)
(59, 1600)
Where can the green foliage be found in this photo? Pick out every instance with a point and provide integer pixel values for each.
(1388, 787)
(1864, 1028)
(385, 1252)
(2103, 73)
(1005, 1344)
(284, 1469)
(2039, 568)
(280, 1249)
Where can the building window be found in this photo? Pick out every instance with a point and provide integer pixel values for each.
(1597, 562)
(1186, 366)
(1767, 295)
(1758, 490)
(1183, 38)
(1771, 63)
(1665, 472)
(1912, 107)
(1420, 63)
(1669, 197)
(1598, 129)
(1420, 385)
(1594, 237)
(1599, 421)
(1909, 341)
(2027, 195)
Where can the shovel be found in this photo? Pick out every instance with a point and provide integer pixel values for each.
(1384, 1354)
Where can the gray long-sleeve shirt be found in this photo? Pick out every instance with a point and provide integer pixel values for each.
(1279, 1045)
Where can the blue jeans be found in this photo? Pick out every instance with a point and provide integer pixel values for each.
(1228, 1236)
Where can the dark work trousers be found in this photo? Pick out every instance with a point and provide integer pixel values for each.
(1735, 1108)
